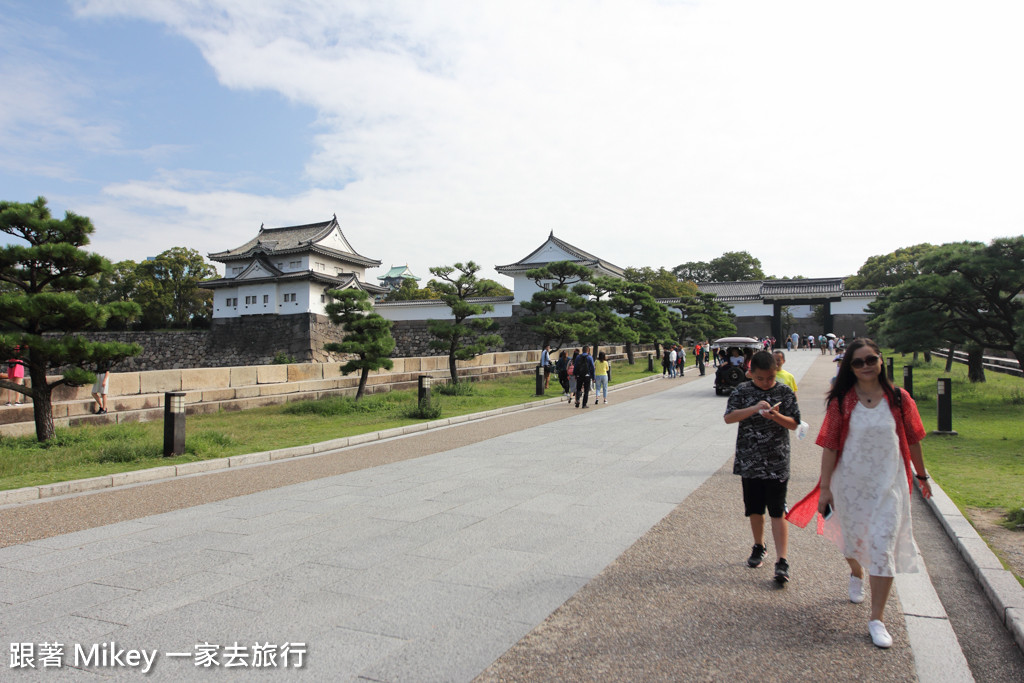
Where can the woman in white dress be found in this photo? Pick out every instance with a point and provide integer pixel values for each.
(871, 434)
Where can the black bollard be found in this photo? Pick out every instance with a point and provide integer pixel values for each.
(908, 379)
(174, 423)
(945, 407)
(892, 376)
(540, 380)
(650, 363)
(423, 388)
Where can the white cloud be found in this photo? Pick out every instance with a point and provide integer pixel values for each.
(811, 134)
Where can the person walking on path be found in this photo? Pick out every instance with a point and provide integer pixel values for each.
(572, 374)
(781, 375)
(602, 375)
(99, 390)
(562, 368)
(545, 361)
(871, 435)
(672, 359)
(681, 359)
(583, 369)
(766, 410)
(699, 352)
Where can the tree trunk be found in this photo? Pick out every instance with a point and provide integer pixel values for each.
(949, 358)
(914, 360)
(452, 368)
(362, 382)
(42, 405)
(629, 353)
(975, 365)
(927, 356)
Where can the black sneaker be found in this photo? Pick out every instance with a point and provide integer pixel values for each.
(782, 571)
(757, 554)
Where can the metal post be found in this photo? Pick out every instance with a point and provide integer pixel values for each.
(540, 380)
(650, 363)
(174, 423)
(945, 407)
(892, 375)
(423, 388)
(908, 379)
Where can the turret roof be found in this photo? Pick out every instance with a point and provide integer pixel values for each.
(578, 255)
(296, 239)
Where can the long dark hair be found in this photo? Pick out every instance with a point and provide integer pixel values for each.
(846, 380)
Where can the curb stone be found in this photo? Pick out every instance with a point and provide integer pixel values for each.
(1002, 588)
(33, 493)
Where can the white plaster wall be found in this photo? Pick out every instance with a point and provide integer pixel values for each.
(523, 288)
(852, 306)
(259, 291)
(751, 308)
(435, 310)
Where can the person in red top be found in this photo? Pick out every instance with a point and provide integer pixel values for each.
(16, 374)
(871, 434)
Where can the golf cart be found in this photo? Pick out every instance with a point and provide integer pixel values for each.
(729, 376)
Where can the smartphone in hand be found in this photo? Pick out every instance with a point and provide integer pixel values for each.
(828, 511)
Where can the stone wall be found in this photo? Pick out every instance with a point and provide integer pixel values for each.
(250, 340)
(256, 339)
(412, 338)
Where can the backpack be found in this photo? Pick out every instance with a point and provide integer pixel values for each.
(582, 367)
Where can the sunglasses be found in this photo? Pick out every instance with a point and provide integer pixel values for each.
(870, 361)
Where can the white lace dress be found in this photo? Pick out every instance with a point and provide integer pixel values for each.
(871, 497)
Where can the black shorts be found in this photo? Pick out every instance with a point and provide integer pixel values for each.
(759, 494)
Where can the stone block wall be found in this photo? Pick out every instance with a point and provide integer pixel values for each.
(412, 338)
(237, 343)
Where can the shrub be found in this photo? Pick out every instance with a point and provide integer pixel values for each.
(282, 358)
(1015, 519)
(463, 388)
(427, 409)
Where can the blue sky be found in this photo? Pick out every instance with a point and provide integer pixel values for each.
(811, 134)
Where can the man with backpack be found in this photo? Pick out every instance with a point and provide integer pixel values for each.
(583, 369)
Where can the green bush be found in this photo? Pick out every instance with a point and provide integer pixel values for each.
(463, 388)
(282, 358)
(1015, 519)
(427, 409)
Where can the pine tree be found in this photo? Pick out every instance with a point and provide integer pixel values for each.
(367, 334)
(40, 310)
(463, 338)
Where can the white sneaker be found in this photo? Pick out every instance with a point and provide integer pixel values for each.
(856, 590)
(879, 636)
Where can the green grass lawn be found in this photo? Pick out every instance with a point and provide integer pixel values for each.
(92, 451)
(984, 465)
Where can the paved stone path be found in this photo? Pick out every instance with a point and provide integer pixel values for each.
(430, 568)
